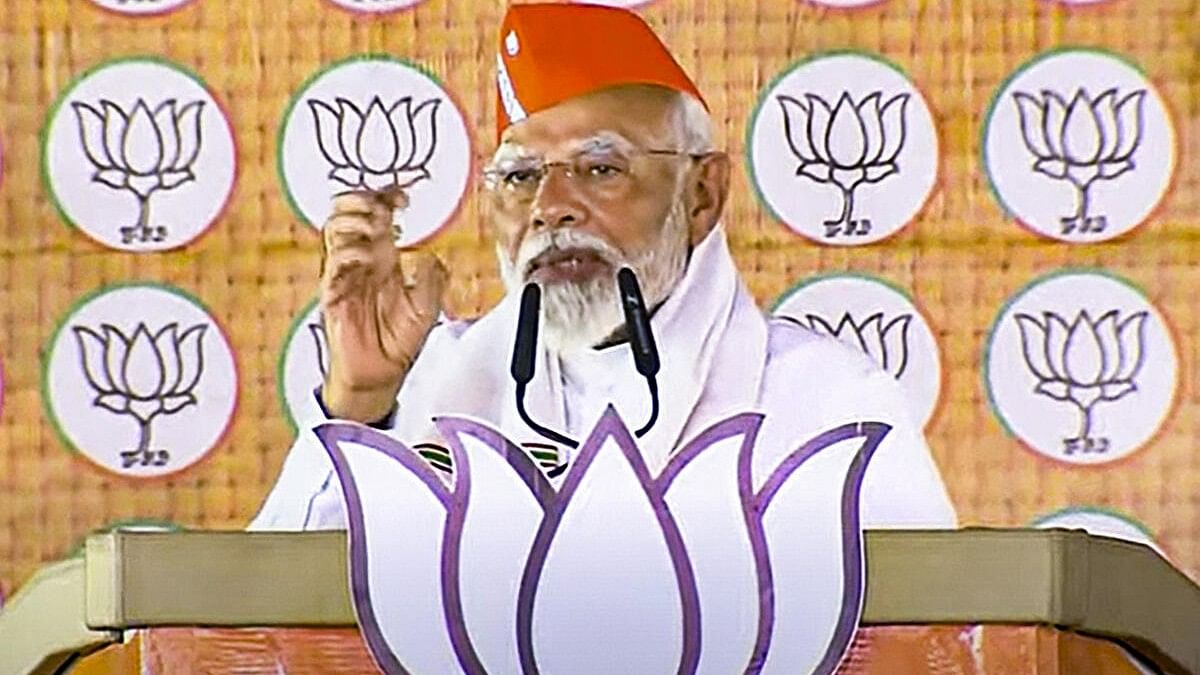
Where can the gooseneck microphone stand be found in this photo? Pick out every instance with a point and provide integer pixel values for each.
(641, 343)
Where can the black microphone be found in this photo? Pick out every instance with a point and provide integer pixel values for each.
(527, 330)
(641, 339)
(637, 324)
(524, 360)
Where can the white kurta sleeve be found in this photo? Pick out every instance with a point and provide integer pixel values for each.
(306, 496)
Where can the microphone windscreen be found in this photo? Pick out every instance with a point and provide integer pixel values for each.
(527, 328)
(637, 323)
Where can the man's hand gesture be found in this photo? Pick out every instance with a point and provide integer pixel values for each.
(378, 304)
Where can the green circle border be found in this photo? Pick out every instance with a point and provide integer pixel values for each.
(49, 352)
(826, 276)
(1099, 511)
(939, 400)
(381, 57)
(748, 137)
(994, 103)
(985, 370)
(281, 362)
(44, 139)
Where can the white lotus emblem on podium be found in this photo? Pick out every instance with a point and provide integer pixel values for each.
(694, 570)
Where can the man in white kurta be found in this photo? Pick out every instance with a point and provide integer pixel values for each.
(720, 354)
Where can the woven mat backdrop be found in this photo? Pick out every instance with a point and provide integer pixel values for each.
(256, 268)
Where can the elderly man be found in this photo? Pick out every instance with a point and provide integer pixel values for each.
(605, 161)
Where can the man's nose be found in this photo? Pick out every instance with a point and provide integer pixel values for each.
(557, 203)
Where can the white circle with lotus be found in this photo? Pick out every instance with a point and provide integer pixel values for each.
(140, 380)
(1079, 146)
(371, 123)
(843, 149)
(881, 321)
(303, 365)
(1081, 367)
(139, 155)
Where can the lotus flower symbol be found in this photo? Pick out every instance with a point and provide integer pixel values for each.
(847, 144)
(321, 342)
(383, 146)
(885, 343)
(1086, 140)
(1084, 362)
(142, 151)
(142, 375)
(616, 571)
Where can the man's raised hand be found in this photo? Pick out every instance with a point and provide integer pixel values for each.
(378, 304)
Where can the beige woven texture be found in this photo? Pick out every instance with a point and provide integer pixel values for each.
(256, 268)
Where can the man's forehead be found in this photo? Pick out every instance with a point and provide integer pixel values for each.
(632, 114)
(599, 141)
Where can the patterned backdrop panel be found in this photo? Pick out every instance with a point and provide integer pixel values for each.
(997, 201)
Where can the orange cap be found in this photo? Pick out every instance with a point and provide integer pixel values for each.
(552, 52)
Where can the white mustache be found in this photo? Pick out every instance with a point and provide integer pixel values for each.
(565, 238)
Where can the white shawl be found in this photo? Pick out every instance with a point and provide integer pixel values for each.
(712, 341)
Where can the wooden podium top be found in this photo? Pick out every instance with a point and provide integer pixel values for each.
(1091, 585)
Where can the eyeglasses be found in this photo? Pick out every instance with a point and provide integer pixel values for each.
(596, 171)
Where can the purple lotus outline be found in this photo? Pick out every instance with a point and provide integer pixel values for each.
(754, 506)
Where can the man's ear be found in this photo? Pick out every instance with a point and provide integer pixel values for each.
(705, 194)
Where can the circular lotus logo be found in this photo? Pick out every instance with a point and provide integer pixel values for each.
(139, 155)
(843, 149)
(1078, 146)
(875, 318)
(1081, 367)
(1099, 521)
(375, 6)
(141, 7)
(372, 123)
(141, 380)
(303, 364)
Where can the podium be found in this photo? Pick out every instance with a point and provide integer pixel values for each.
(981, 601)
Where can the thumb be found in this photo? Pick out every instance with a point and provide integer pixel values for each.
(393, 197)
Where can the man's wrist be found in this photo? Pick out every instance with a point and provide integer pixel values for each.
(369, 406)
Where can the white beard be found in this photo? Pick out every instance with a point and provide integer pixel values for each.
(581, 316)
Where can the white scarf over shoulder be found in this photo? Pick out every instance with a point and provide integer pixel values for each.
(712, 343)
(718, 358)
